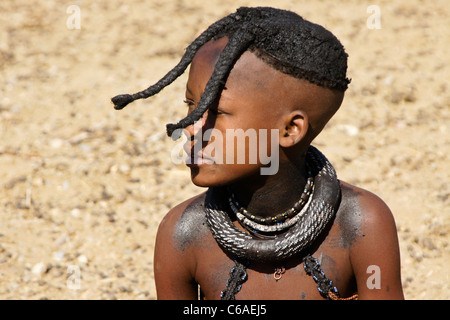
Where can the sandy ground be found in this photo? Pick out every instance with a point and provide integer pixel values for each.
(83, 187)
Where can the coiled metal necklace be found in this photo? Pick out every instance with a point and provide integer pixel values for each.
(319, 212)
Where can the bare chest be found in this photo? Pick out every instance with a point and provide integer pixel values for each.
(284, 281)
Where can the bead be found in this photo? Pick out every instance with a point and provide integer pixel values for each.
(276, 219)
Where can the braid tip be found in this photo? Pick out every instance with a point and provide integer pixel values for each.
(173, 132)
(121, 101)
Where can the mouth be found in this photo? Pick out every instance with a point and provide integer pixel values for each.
(197, 159)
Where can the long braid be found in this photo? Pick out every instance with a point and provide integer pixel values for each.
(122, 100)
(237, 44)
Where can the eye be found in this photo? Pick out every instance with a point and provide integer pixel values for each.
(189, 103)
(216, 111)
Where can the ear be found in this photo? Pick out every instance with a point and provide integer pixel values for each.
(296, 126)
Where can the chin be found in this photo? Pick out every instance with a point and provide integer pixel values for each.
(218, 176)
(207, 181)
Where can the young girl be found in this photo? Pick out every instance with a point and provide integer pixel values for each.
(297, 232)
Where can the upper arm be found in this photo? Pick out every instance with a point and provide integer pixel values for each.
(173, 266)
(375, 257)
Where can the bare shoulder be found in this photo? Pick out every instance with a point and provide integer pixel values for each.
(362, 212)
(366, 213)
(174, 262)
(185, 222)
(368, 229)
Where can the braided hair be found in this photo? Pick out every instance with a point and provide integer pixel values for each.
(280, 38)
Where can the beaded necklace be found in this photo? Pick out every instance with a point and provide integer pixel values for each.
(279, 218)
(280, 222)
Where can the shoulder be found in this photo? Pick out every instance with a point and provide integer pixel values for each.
(366, 213)
(361, 213)
(174, 261)
(368, 226)
(185, 222)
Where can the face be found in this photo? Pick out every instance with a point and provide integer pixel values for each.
(256, 99)
(239, 107)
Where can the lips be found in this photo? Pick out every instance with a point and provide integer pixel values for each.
(196, 159)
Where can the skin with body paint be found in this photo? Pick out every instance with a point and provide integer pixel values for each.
(362, 234)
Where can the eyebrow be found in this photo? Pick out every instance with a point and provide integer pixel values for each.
(190, 91)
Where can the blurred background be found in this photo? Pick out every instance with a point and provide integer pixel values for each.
(83, 187)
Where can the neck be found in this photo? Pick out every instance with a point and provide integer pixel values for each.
(267, 196)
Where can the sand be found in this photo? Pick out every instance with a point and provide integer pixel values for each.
(83, 187)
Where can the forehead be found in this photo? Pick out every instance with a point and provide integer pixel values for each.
(248, 74)
(257, 86)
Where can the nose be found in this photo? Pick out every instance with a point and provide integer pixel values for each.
(194, 129)
(193, 134)
(199, 126)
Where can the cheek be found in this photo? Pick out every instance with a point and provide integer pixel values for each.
(216, 175)
(248, 146)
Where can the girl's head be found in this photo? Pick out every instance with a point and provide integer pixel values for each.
(281, 38)
(256, 69)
